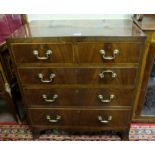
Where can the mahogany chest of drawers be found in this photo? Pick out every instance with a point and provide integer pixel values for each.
(78, 75)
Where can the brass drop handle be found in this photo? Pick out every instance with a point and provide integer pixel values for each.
(104, 121)
(47, 53)
(102, 74)
(45, 98)
(57, 119)
(41, 77)
(103, 53)
(112, 96)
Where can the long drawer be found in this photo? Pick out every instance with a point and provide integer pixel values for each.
(43, 53)
(109, 52)
(51, 76)
(79, 117)
(78, 97)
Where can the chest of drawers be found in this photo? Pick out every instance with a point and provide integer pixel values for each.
(78, 75)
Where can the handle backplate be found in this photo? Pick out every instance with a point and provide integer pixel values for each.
(51, 120)
(46, 99)
(101, 98)
(103, 53)
(102, 74)
(104, 121)
(47, 55)
(41, 77)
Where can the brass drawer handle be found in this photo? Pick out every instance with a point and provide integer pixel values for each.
(103, 53)
(112, 96)
(48, 53)
(57, 119)
(102, 74)
(45, 98)
(41, 77)
(104, 121)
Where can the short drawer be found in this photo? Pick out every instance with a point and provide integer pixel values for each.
(43, 53)
(109, 52)
(78, 97)
(80, 117)
(87, 76)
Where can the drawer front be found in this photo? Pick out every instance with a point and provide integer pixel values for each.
(121, 76)
(50, 76)
(65, 117)
(109, 52)
(78, 97)
(85, 76)
(43, 53)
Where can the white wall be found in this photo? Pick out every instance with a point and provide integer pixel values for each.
(79, 16)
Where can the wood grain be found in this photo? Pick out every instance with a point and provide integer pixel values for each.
(78, 76)
(82, 117)
(23, 53)
(78, 97)
(76, 62)
(89, 52)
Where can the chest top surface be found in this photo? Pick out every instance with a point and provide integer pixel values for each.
(78, 28)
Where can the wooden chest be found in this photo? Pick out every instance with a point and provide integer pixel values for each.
(78, 75)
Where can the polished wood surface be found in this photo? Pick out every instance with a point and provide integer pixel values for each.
(23, 53)
(78, 76)
(78, 97)
(89, 52)
(79, 28)
(80, 53)
(81, 73)
(80, 117)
